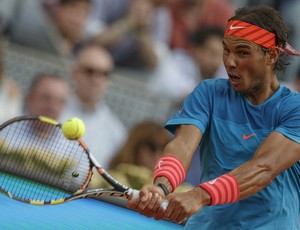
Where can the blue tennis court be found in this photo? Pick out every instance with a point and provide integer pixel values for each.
(78, 214)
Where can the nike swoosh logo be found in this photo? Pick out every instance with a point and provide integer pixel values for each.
(213, 181)
(236, 27)
(246, 137)
(159, 164)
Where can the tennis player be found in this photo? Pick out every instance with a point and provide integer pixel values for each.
(248, 129)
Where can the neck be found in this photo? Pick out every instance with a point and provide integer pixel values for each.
(263, 94)
(87, 104)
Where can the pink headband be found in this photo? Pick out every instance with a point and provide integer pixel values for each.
(257, 35)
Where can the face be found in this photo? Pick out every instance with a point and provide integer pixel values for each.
(150, 152)
(248, 67)
(209, 56)
(71, 19)
(92, 73)
(48, 98)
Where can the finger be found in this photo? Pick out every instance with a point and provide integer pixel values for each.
(163, 206)
(181, 218)
(132, 204)
(175, 214)
(154, 202)
(145, 200)
(153, 206)
(161, 203)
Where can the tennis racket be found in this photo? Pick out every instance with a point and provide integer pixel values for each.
(38, 165)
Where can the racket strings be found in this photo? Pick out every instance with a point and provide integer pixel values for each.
(11, 159)
(44, 157)
(23, 189)
(25, 166)
(45, 160)
(82, 168)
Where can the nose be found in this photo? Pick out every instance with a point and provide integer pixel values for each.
(229, 61)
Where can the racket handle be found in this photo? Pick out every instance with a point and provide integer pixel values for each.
(164, 204)
(133, 194)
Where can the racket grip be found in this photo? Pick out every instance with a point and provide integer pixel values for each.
(164, 204)
(133, 194)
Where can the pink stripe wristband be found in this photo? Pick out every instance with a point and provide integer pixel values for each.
(171, 168)
(223, 190)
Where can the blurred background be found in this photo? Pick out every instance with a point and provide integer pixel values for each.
(120, 65)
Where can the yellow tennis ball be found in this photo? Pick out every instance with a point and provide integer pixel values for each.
(73, 129)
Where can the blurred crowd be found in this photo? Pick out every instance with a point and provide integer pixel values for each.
(170, 44)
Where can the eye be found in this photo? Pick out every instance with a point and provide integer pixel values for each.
(225, 50)
(243, 53)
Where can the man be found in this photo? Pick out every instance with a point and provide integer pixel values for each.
(135, 31)
(10, 91)
(47, 96)
(179, 73)
(248, 129)
(91, 76)
(54, 27)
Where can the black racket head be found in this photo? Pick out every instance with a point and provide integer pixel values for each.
(38, 165)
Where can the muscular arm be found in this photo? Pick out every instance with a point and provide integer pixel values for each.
(273, 156)
(183, 146)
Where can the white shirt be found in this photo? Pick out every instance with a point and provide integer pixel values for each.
(10, 100)
(104, 134)
(178, 74)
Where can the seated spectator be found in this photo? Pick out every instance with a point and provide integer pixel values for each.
(10, 92)
(133, 164)
(183, 69)
(47, 95)
(189, 15)
(91, 74)
(56, 27)
(137, 32)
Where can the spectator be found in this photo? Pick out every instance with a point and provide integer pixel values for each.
(10, 92)
(183, 69)
(134, 163)
(290, 10)
(91, 76)
(189, 15)
(136, 31)
(297, 82)
(144, 145)
(47, 96)
(55, 28)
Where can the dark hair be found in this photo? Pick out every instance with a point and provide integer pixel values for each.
(269, 19)
(146, 132)
(64, 2)
(40, 77)
(200, 36)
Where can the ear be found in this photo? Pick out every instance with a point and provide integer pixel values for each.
(273, 55)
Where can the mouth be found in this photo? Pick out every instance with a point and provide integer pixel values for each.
(234, 79)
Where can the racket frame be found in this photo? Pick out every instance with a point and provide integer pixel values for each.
(119, 190)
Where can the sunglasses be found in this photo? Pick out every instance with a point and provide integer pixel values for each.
(91, 71)
(153, 146)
